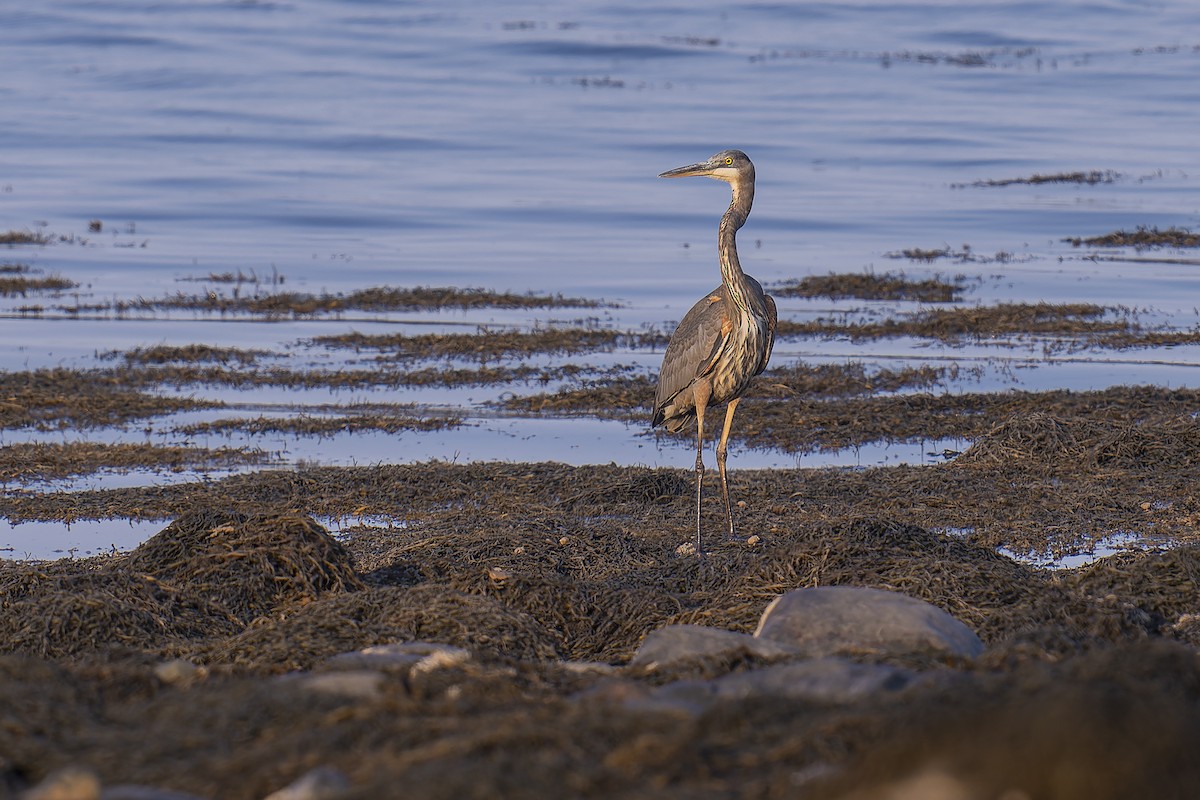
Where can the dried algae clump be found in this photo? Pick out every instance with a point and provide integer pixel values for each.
(23, 237)
(1163, 583)
(29, 461)
(56, 610)
(248, 564)
(61, 398)
(204, 575)
(869, 286)
(489, 345)
(1022, 320)
(11, 286)
(379, 616)
(191, 354)
(1075, 443)
(375, 299)
(1141, 237)
(320, 425)
(1089, 178)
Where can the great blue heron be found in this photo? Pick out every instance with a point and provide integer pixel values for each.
(726, 338)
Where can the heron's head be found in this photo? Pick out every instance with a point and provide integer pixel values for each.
(731, 166)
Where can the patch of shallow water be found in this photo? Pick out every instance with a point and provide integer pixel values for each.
(44, 541)
(40, 541)
(106, 479)
(1102, 548)
(347, 524)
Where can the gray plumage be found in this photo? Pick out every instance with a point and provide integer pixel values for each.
(725, 339)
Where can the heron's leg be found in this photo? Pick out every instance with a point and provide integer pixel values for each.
(702, 391)
(721, 450)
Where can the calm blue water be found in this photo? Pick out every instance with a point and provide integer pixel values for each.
(515, 146)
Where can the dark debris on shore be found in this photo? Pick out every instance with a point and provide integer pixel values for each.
(1080, 177)
(549, 577)
(870, 286)
(1141, 237)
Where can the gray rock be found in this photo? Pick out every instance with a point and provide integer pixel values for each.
(821, 680)
(399, 656)
(129, 791)
(587, 667)
(673, 645)
(443, 658)
(362, 659)
(833, 620)
(832, 680)
(322, 783)
(80, 783)
(179, 672)
(359, 684)
(69, 783)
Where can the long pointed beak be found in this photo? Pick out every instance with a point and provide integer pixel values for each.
(703, 169)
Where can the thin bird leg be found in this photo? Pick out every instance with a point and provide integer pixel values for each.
(702, 391)
(721, 449)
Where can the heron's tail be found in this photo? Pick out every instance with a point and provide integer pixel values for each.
(670, 416)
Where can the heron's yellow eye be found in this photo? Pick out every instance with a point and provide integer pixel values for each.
(728, 161)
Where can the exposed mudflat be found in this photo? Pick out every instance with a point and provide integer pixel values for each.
(163, 667)
(213, 658)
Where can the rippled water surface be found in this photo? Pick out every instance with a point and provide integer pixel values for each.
(514, 146)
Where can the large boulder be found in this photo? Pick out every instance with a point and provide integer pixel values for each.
(848, 620)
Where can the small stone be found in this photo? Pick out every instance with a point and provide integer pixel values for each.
(322, 783)
(830, 680)
(678, 644)
(564, 541)
(822, 680)
(397, 657)
(933, 783)
(179, 672)
(364, 659)
(636, 696)
(68, 783)
(832, 620)
(753, 539)
(360, 684)
(686, 549)
(587, 667)
(442, 659)
(431, 648)
(129, 791)
(499, 576)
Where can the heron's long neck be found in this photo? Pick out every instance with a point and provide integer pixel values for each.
(731, 268)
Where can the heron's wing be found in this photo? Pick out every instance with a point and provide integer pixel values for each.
(772, 324)
(692, 351)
